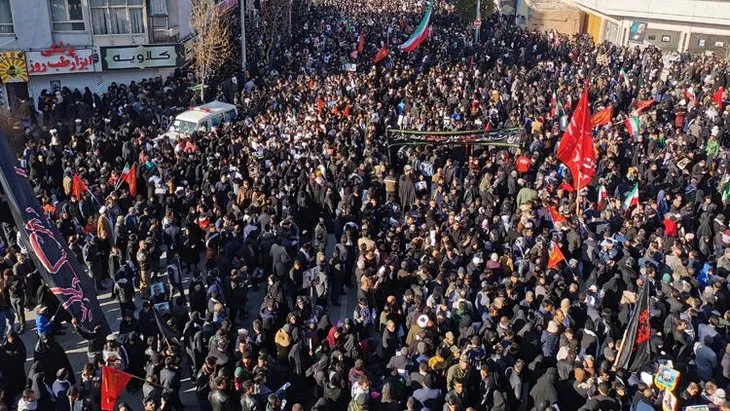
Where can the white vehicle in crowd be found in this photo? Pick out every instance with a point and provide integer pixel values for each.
(201, 118)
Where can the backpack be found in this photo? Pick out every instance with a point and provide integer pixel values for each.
(282, 338)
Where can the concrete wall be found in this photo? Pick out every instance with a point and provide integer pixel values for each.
(32, 24)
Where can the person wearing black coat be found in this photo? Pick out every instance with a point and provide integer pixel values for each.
(203, 382)
(12, 364)
(96, 338)
(52, 357)
(197, 294)
(219, 400)
(170, 382)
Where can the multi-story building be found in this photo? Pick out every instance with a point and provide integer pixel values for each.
(697, 26)
(49, 44)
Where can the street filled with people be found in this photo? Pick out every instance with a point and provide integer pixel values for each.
(478, 277)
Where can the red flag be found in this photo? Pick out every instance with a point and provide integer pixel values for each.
(320, 105)
(602, 117)
(717, 96)
(382, 53)
(131, 179)
(78, 186)
(643, 105)
(555, 256)
(556, 216)
(311, 84)
(361, 43)
(113, 382)
(576, 146)
(346, 112)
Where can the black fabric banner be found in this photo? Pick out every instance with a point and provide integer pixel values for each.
(636, 349)
(46, 246)
(494, 137)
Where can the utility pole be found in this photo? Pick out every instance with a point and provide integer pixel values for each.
(477, 27)
(242, 9)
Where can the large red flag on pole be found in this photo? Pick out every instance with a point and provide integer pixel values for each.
(113, 382)
(576, 146)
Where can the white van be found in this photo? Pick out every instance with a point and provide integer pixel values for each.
(202, 118)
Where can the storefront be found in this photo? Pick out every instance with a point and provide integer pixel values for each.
(49, 69)
(96, 68)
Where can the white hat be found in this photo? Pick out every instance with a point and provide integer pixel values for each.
(422, 321)
(718, 398)
(552, 327)
(102, 210)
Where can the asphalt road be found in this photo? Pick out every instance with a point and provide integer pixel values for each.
(76, 346)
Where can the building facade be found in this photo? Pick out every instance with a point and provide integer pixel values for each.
(697, 26)
(49, 44)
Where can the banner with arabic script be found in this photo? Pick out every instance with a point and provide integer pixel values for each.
(505, 137)
(141, 57)
(60, 59)
(46, 246)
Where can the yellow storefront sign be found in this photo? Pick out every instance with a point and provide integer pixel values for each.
(12, 67)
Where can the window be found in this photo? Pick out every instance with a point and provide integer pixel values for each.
(67, 15)
(117, 16)
(216, 120)
(6, 18)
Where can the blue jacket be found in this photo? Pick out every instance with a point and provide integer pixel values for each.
(43, 325)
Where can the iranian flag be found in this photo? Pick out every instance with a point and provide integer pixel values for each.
(633, 198)
(421, 32)
(602, 196)
(632, 125)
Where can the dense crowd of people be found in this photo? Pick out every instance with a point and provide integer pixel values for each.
(443, 249)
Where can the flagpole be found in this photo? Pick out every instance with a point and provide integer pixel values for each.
(577, 195)
(136, 377)
(620, 349)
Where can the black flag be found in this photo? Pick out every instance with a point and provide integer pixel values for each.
(46, 246)
(168, 333)
(636, 348)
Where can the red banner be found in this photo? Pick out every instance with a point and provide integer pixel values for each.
(113, 382)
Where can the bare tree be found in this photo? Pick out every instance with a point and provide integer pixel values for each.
(213, 46)
(275, 18)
